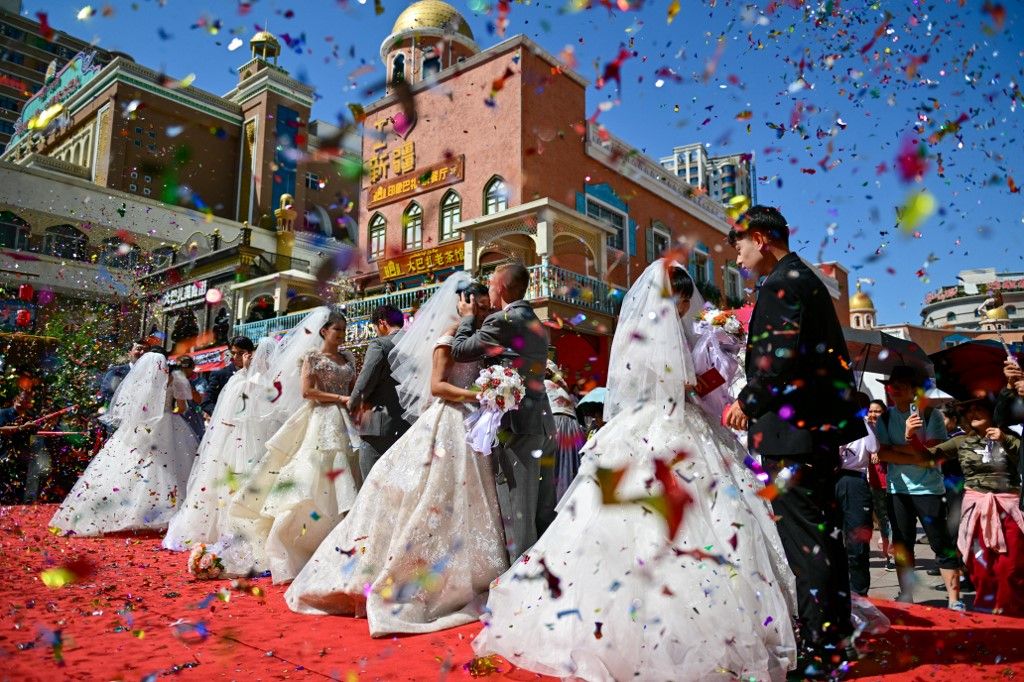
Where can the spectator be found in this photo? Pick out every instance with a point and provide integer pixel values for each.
(854, 495)
(991, 529)
(193, 413)
(916, 489)
(569, 435)
(238, 348)
(879, 490)
(16, 429)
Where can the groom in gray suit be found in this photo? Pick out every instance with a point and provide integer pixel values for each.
(514, 337)
(374, 399)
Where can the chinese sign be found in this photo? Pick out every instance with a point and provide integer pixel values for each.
(440, 174)
(422, 262)
(359, 332)
(180, 297)
(398, 161)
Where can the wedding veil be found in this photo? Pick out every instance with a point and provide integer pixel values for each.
(412, 357)
(650, 356)
(285, 367)
(142, 396)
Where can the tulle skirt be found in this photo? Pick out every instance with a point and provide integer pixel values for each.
(605, 595)
(136, 482)
(422, 542)
(304, 485)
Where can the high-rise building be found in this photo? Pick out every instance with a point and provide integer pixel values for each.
(26, 53)
(722, 177)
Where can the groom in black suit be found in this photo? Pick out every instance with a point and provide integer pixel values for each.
(513, 336)
(798, 406)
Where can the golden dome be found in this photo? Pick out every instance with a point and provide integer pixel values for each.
(431, 14)
(997, 313)
(861, 301)
(264, 37)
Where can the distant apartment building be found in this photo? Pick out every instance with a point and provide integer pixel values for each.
(722, 177)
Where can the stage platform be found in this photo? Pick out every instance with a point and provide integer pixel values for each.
(136, 614)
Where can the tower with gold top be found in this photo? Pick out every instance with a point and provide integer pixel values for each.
(862, 310)
(428, 36)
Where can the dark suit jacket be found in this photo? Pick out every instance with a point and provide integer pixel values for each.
(799, 381)
(375, 391)
(110, 381)
(214, 385)
(516, 338)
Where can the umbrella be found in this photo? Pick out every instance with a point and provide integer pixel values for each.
(971, 369)
(592, 401)
(875, 351)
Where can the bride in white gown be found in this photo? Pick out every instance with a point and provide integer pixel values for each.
(138, 479)
(308, 477)
(424, 538)
(605, 593)
(227, 452)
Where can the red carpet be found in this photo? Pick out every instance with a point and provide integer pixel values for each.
(137, 615)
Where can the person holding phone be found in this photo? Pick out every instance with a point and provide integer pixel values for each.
(916, 489)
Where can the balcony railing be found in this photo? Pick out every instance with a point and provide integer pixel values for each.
(546, 282)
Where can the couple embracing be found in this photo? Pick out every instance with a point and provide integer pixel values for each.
(436, 522)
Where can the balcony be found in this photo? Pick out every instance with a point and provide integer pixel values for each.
(547, 283)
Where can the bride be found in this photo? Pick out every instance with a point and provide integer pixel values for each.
(424, 538)
(308, 477)
(606, 593)
(138, 479)
(226, 452)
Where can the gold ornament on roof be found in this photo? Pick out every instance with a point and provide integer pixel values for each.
(861, 301)
(434, 14)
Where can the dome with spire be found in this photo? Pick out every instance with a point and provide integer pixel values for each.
(997, 313)
(431, 14)
(265, 45)
(861, 301)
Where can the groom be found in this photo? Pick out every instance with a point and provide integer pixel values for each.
(513, 336)
(798, 405)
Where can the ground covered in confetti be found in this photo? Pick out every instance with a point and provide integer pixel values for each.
(135, 613)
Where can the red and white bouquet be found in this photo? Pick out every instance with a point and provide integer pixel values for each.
(204, 565)
(721, 319)
(501, 391)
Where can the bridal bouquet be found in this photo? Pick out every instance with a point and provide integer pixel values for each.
(501, 391)
(722, 319)
(204, 565)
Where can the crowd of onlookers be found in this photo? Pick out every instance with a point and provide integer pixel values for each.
(952, 471)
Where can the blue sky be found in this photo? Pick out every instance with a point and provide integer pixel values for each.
(827, 95)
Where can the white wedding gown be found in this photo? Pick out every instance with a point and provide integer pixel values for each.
(424, 538)
(628, 605)
(235, 437)
(138, 479)
(304, 485)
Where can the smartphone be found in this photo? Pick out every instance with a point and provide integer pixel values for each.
(913, 408)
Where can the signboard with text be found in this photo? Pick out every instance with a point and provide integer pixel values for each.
(438, 175)
(66, 82)
(422, 262)
(179, 297)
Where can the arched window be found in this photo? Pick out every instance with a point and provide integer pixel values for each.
(856, 320)
(431, 62)
(412, 227)
(495, 196)
(1011, 310)
(65, 241)
(377, 236)
(118, 253)
(950, 316)
(398, 68)
(161, 257)
(451, 215)
(13, 231)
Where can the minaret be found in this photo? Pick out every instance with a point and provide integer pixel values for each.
(862, 310)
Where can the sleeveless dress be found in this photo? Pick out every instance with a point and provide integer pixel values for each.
(304, 485)
(424, 539)
(138, 480)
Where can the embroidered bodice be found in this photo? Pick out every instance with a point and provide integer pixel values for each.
(462, 374)
(328, 375)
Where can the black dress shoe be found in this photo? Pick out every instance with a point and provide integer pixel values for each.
(933, 571)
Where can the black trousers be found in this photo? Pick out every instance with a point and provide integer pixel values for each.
(809, 524)
(854, 496)
(904, 511)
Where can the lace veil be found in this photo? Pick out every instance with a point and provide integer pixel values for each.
(412, 358)
(142, 396)
(285, 366)
(650, 355)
